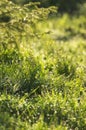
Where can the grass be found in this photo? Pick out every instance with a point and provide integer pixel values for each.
(43, 85)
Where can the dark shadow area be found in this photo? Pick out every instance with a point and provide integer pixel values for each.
(68, 6)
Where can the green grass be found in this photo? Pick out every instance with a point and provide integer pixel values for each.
(43, 84)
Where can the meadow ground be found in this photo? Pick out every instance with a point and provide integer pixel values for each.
(43, 83)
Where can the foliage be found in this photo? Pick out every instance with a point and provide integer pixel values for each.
(69, 6)
(18, 23)
(42, 69)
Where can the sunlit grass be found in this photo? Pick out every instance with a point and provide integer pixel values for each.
(43, 81)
